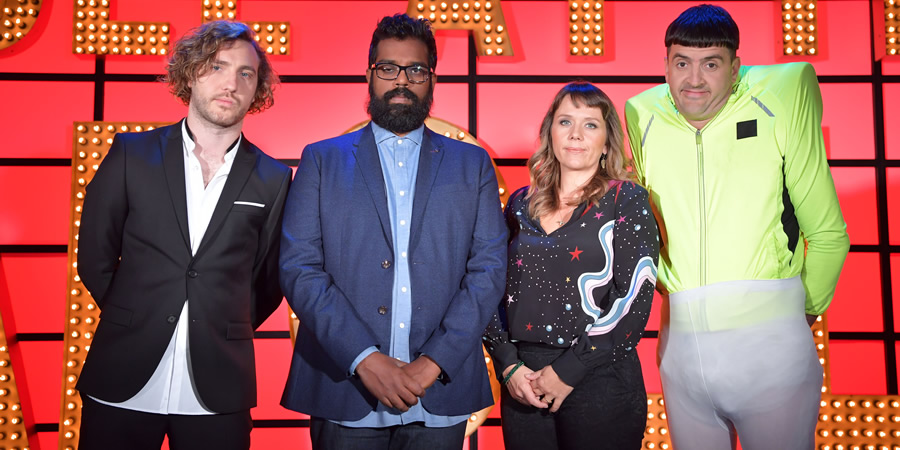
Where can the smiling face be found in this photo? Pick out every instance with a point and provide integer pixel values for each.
(700, 80)
(221, 95)
(578, 135)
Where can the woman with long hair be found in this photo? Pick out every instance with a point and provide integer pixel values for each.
(583, 251)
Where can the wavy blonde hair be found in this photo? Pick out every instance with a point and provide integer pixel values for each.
(543, 167)
(194, 53)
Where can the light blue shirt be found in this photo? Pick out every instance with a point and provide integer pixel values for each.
(399, 164)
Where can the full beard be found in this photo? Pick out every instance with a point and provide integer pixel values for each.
(397, 117)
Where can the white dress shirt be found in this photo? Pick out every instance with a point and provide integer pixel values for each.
(170, 389)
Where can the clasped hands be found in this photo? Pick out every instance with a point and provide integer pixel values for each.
(541, 389)
(395, 383)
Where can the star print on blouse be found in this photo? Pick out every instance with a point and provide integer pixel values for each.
(509, 299)
(576, 254)
(549, 312)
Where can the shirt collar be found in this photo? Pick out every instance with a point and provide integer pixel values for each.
(188, 139)
(382, 134)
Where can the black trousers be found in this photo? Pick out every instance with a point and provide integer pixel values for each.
(607, 410)
(105, 427)
(327, 435)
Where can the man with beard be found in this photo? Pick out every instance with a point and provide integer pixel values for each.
(179, 248)
(394, 258)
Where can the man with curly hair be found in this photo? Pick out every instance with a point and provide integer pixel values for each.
(179, 248)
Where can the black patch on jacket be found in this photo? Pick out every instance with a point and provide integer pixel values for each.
(746, 129)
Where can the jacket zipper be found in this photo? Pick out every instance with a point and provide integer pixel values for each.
(702, 199)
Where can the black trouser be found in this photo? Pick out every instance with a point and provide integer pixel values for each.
(105, 427)
(327, 435)
(607, 410)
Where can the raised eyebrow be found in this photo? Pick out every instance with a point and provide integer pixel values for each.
(248, 69)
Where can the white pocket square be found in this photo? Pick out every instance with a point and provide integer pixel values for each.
(258, 205)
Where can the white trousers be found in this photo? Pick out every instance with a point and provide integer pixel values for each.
(738, 359)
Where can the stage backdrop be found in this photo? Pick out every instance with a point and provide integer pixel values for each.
(73, 72)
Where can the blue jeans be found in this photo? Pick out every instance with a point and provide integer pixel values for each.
(327, 435)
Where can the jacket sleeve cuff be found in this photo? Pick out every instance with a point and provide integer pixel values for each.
(569, 368)
(442, 377)
(816, 308)
(504, 355)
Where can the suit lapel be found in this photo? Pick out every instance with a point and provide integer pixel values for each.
(430, 156)
(366, 153)
(173, 163)
(243, 165)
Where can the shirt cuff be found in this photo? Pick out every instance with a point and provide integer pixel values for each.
(361, 357)
(569, 368)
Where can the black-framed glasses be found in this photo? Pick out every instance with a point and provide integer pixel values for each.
(390, 71)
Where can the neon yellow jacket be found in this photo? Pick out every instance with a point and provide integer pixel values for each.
(720, 193)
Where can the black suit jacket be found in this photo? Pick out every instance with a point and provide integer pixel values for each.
(134, 257)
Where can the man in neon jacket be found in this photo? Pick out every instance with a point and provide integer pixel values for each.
(753, 237)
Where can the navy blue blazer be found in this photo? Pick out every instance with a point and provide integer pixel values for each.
(337, 271)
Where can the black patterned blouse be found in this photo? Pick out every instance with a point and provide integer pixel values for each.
(562, 291)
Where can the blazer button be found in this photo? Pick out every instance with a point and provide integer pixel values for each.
(193, 273)
(382, 310)
(171, 319)
(386, 264)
